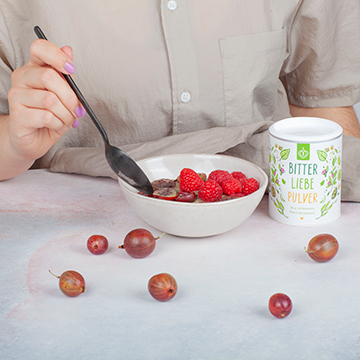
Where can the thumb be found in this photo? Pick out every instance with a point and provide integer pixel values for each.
(68, 51)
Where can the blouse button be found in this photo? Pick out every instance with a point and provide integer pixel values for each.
(172, 5)
(185, 97)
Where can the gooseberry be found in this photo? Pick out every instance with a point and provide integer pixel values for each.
(186, 196)
(322, 247)
(163, 183)
(139, 243)
(280, 305)
(162, 287)
(97, 244)
(165, 194)
(71, 283)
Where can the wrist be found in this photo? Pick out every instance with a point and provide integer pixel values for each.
(12, 163)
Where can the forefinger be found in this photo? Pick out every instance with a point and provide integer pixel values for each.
(45, 53)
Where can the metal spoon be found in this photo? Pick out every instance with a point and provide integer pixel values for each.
(121, 163)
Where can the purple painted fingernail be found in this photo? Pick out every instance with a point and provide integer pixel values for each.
(69, 67)
(76, 123)
(80, 111)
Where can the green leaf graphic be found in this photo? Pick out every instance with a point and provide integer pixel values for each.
(329, 182)
(322, 155)
(339, 161)
(284, 154)
(325, 209)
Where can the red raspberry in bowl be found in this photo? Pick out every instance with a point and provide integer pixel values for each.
(211, 191)
(219, 176)
(249, 186)
(238, 175)
(231, 186)
(189, 180)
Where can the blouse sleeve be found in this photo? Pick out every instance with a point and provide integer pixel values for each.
(323, 66)
(7, 57)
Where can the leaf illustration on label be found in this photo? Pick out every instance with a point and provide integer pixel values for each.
(329, 182)
(279, 204)
(284, 154)
(334, 160)
(322, 155)
(283, 181)
(325, 209)
(339, 175)
(322, 183)
(339, 160)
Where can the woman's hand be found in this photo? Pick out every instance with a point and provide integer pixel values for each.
(42, 105)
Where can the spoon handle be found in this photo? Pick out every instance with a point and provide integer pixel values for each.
(78, 93)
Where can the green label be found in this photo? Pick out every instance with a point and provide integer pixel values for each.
(303, 152)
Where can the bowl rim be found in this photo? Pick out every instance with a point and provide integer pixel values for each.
(135, 193)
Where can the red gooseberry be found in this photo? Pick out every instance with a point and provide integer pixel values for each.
(280, 305)
(162, 287)
(322, 247)
(97, 244)
(71, 283)
(139, 243)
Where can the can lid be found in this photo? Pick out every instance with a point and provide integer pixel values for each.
(306, 129)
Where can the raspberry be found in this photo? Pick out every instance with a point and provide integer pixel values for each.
(189, 180)
(219, 176)
(238, 175)
(249, 186)
(231, 186)
(211, 191)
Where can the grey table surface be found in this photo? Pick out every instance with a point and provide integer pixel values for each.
(225, 282)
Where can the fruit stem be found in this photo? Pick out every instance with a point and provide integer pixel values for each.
(121, 246)
(54, 274)
(308, 252)
(160, 236)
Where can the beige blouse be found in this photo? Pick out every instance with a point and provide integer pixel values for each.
(188, 75)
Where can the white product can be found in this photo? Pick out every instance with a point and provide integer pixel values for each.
(305, 171)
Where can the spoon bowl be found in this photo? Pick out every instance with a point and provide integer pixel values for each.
(129, 171)
(121, 163)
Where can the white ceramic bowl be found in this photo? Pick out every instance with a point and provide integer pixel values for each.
(194, 219)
